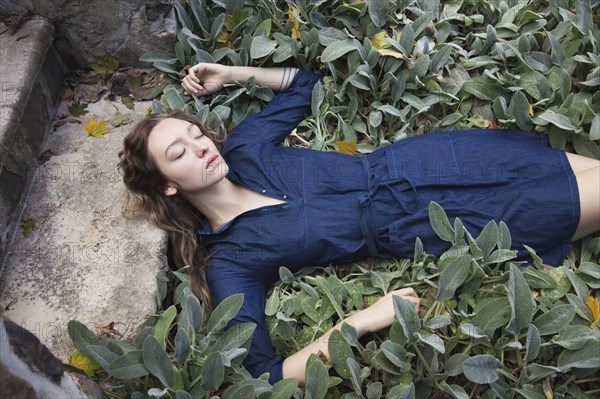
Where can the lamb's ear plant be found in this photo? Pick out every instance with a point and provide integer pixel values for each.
(398, 68)
(491, 327)
(181, 352)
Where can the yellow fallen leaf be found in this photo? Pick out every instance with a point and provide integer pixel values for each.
(295, 22)
(378, 40)
(97, 129)
(223, 38)
(595, 308)
(531, 109)
(346, 147)
(390, 52)
(83, 363)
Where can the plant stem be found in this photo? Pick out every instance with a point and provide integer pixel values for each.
(585, 380)
(422, 358)
(431, 309)
(508, 375)
(519, 358)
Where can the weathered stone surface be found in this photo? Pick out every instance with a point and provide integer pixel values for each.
(83, 260)
(124, 28)
(31, 75)
(29, 370)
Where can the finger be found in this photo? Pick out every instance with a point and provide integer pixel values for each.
(194, 78)
(186, 86)
(405, 292)
(194, 71)
(191, 86)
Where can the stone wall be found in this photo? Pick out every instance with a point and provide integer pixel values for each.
(126, 29)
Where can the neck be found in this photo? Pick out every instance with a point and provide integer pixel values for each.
(219, 204)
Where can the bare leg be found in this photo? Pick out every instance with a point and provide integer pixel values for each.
(587, 174)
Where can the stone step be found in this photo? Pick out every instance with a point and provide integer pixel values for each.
(83, 260)
(31, 75)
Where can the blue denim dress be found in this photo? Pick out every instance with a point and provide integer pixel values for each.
(340, 208)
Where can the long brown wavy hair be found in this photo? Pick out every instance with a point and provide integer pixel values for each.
(145, 192)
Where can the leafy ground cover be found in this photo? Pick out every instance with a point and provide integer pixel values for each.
(491, 327)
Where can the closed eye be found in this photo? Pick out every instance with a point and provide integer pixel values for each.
(180, 155)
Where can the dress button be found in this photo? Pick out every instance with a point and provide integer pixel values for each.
(264, 191)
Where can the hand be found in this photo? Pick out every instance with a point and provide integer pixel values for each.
(205, 78)
(381, 314)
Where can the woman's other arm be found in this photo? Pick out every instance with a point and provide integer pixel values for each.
(374, 318)
(205, 78)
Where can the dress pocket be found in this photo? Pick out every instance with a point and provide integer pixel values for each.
(423, 159)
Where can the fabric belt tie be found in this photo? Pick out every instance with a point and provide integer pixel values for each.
(366, 218)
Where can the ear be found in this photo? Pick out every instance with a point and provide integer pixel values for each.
(170, 189)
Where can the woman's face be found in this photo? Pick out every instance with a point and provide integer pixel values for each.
(188, 159)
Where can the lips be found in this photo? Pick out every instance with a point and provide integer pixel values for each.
(211, 161)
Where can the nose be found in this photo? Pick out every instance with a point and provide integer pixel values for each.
(200, 148)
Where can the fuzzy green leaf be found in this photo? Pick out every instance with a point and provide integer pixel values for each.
(401, 391)
(481, 369)
(262, 46)
(182, 346)
(224, 312)
(454, 274)
(407, 317)
(395, 353)
(354, 370)
(585, 358)
(128, 366)
(519, 297)
(163, 325)
(213, 372)
(284, 389)
(533, 344)
(82, 337)
(339, 352)
(316, 378)
(559, 120)
(555, 319)
(432, 340)
(454, 365)
(318, 96)
(157, 361)
(378, 10)
(243, 389)
(337, 49)
(102, 355)
(440, 223)
(519, 108)
(374, 390)
(575, 337)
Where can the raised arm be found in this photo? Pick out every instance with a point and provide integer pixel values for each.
(374, 318)
(206, 78)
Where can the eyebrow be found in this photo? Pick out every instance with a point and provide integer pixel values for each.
(177, 141)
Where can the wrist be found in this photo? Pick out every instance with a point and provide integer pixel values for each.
(237, 74)
(357, 320)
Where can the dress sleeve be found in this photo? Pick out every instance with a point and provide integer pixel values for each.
(281, 115)
(261, 358)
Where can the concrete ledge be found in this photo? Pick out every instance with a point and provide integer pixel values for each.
(83, 260)
(31, 75)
